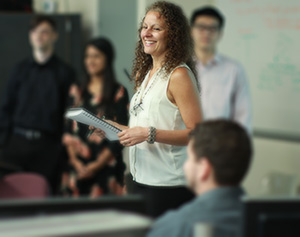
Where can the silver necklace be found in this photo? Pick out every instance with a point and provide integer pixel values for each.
(139, 105)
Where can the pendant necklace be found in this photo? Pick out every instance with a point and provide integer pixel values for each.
(142, 92)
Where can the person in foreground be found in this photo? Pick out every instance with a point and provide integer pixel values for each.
(164, 109)
(219, 154)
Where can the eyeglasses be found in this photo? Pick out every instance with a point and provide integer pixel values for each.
(211, 29)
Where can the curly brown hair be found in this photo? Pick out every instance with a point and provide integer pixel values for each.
(179, 42)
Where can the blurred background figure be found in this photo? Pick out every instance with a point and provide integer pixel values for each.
(224, 87)
(97, 165)
(33, 104)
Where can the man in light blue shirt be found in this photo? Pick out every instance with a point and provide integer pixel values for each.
(224, 87)
(219, 154)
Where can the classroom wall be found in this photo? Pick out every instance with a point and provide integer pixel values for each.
(270, 157)
(263, 36)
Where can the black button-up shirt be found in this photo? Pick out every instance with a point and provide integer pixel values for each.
(36, 97)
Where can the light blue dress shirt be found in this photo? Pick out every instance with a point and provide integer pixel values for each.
(225, 91)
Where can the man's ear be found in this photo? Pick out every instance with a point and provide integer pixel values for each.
(205, 169)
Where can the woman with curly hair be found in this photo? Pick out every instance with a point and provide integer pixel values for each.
(164, 108)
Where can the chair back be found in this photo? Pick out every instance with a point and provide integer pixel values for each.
(23, 185)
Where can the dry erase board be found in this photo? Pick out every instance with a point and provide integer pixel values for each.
(264, 35)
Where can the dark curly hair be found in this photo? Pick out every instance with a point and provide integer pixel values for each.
(179, 42)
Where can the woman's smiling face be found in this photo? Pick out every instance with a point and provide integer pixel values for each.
(154, 34)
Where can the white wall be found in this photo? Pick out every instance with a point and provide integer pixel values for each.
(272, 156)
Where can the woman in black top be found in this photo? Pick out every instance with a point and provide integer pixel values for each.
(97, 163)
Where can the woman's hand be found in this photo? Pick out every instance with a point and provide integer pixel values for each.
(87, 172)
(83, 150)
(94, 138)
(78, 165)
(133, 136)
(78, 146)
(101, 133)
(67, 139)
(98, 132)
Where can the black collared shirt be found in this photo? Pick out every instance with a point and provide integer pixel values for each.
(36, 96)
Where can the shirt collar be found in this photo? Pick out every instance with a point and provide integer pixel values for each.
(221, 192)
(217, 58)
(214, 61)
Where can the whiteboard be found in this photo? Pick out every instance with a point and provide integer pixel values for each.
(264, 35)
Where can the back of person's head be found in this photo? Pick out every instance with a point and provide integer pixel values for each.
(39, 19)
(227, 147)
(208, 11)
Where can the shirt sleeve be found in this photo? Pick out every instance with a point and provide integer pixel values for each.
(170, 224)
(7, 105)
(242, 111)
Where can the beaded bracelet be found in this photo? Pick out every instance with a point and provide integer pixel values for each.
(151, 135)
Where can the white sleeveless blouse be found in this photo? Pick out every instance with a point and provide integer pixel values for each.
(157, 164)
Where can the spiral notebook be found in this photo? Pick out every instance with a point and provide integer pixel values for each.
(84, 116)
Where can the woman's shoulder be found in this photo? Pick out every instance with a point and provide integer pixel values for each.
(183, 74)
(180, 70)
(182, 66)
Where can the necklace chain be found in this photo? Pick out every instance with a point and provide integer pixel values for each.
(144, 93)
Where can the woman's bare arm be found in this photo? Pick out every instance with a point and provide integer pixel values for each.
(183, 93)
